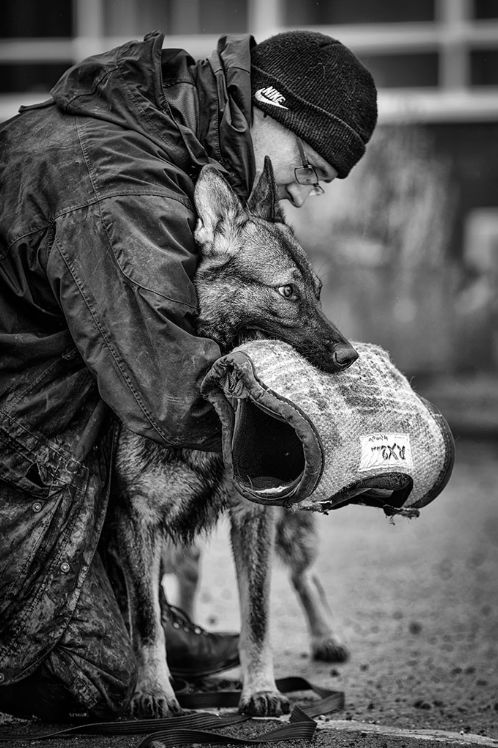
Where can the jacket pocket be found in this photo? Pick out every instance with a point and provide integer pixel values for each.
(31, 462)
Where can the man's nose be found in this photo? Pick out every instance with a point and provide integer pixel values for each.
(298, 193)
(344, 355)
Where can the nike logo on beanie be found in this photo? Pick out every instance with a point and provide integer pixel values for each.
(270, 95)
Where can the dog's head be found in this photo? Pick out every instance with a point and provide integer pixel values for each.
(254, 279)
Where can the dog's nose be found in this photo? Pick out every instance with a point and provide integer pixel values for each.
(344, 355)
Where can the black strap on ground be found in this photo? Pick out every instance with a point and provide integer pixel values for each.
(203, 727)
(330, 701)
(299, 727)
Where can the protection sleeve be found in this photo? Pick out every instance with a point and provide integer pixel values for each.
(122, 271)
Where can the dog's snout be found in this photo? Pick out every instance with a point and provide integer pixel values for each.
(344, 355)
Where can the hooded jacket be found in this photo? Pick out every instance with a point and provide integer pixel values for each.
(97, 302)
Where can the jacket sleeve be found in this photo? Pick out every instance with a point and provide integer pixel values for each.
(121, 269)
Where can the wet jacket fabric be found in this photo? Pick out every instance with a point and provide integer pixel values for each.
(97, 303)
(92, 669)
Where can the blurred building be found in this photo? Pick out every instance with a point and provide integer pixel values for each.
(436, 66)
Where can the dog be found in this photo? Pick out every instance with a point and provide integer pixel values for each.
(296, 545)
(253, 279)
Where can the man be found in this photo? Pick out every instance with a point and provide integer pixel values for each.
(97, 306)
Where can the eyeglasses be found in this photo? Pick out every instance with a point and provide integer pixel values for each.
(306, 174)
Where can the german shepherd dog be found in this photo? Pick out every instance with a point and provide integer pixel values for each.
(296, 544)
(253, 279)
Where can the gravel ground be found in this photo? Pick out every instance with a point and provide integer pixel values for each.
(417, 603)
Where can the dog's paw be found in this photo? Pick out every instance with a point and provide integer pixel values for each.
(328, 649)
(153, 704)
(264, 704)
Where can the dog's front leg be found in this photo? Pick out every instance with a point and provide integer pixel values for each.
(252, 532)
(139, 544)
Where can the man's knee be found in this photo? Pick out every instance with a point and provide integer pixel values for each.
(105, 692)
(62, 687)
(92, 669)
(96, 662)
(95, 656)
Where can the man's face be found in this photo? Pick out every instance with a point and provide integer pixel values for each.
(271, 139)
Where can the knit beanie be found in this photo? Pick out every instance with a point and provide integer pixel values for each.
(317, 88)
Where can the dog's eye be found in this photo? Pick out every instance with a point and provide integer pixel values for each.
(288, 291)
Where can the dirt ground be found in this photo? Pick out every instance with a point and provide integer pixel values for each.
(417, 603)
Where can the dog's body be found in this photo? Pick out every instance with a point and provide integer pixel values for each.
(253, 278)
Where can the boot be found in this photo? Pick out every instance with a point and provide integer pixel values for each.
(192, 651)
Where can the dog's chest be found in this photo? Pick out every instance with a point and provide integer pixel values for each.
(180, 491)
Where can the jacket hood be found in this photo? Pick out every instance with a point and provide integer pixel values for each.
(125, 86)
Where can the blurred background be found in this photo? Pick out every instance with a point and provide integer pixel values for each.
(407, 246)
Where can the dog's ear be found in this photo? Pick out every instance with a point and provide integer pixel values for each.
(263, 201)
(215, 202)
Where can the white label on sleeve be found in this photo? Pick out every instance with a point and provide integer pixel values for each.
(385, 451)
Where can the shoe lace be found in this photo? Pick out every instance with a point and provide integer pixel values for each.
(178, 618)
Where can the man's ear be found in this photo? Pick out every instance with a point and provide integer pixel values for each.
(215, 201)
(263, 201)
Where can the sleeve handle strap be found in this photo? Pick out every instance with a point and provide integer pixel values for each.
(202, 727)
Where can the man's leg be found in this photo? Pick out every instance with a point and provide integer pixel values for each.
(91, 670)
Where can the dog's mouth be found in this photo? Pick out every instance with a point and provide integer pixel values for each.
(250, 333)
